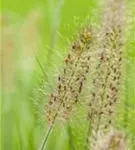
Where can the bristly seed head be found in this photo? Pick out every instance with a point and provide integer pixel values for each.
(106, 83)
(71, 80)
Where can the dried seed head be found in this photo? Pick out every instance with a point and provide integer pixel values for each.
(105, 83)
(71, 80)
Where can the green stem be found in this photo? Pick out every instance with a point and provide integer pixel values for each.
(53, 122)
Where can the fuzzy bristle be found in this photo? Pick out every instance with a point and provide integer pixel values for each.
(106, 84)
(71, 80)
(114, 140)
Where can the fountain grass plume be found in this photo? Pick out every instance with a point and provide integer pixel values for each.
(106, 84)
(70, 80)
(114, 140)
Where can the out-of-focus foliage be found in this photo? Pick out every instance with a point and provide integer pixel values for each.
(38, 33)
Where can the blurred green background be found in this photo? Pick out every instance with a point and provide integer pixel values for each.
(38, 33)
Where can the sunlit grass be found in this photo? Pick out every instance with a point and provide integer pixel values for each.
(33, 35)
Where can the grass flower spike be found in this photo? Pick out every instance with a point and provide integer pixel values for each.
(114, 140)
(71, 79)
(106, 85)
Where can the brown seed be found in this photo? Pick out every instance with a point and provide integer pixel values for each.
(69, 107)
(107, 96)
(89, 58)
(77, 45)
(120, 58)
(106, 126)
(54, 98)
(66, 60)
(81, 84)
(77, 79)
(114, 70)
(59, 86)
(73, 91)
(110, 103)
(101, 113)
(109, 73)
(87, 71)
(76, 100)
(59, 78)
(50, 102)
(107, 34)
(102, 57)
(73, 46)
(110, 111)
(65, 88)
(109, 121)
(114, 89)
(76, 97)
(114, 78)
(93, 94)
(105, 105)
(90, 104)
